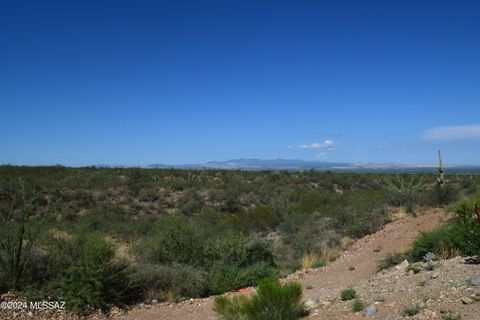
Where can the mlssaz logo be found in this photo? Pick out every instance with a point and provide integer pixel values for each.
(47, 305)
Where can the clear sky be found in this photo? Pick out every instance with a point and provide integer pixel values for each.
(174, 82)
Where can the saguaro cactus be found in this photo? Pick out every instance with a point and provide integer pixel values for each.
(440, 180)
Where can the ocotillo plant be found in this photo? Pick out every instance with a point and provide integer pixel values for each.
(440, 180)
(18, 237)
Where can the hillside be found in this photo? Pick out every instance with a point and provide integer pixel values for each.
(440, 292)
(133, 238)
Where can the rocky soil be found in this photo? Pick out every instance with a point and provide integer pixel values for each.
(448, 289)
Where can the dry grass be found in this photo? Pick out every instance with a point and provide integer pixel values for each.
(399, 215)
(60, 234)
(313, 260)
(330, 254)
(309, 260)
(170, 296)
(444, 252)
(150, 295)
(346, 242)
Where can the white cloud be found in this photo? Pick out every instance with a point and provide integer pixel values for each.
(321, 155)
(453, 133)
(327, 144)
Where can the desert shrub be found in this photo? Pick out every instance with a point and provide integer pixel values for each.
(446, 194)
(259, 251)
(255, 219)
(183, 280)
(232, 202)
(223, 278)
(296, 223)
(109, 219)
(415, 268)
(358, 305)
(234, 262)
(176, 241)
(360, 212)
(236, 250)
(348, 294)
(228, 250)
(459, 235)
(391, 260)
(271, 301)
(92, 278)
(83, 198)
(250, 276)
(447, 237)
(191, 202)
(410, 311)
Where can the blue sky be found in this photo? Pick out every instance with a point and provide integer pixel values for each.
(140, 82)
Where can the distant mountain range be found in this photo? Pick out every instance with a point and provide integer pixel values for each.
(296, 164)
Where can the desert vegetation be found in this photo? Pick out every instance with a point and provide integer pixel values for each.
(460, 236)
(103, 237)
(271, 301)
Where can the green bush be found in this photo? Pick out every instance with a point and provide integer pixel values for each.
(259, 251)
(391, 260)
(229, 250)
(415, 267)
(250, 276)
(348, 294)
(358, 305)
(222, 279)
(236, 250)
(446, 194)
(410, 311)
(92, 279)
(271, 301)
(228, 278)
(234, 262)
(176, 241)
(183, 280)
(447, 237)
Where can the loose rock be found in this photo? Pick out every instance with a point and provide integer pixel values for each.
(370, 310)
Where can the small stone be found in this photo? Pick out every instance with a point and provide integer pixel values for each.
(402, 266)
(370, 311)
(474, 282)
(429, 313)
(467, 300)
(114, 311)
(310, 304)
(8, 296)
